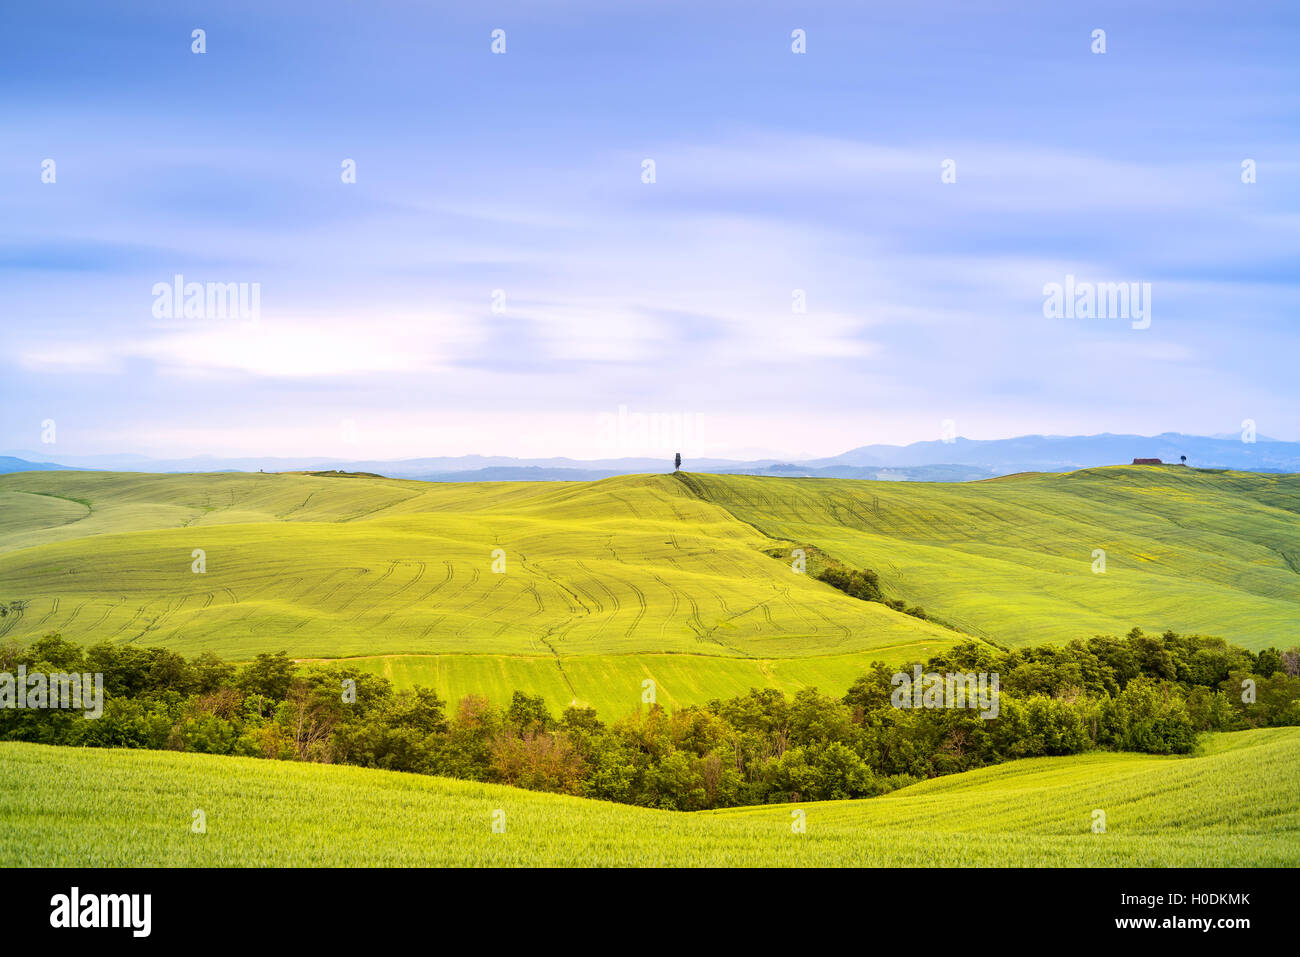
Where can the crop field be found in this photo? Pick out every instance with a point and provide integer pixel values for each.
(1012, 558)
(1233, 804)
(612, 684)
(580, 591)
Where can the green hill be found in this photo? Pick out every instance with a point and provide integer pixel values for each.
(1012, 558)
(670, 578)
(1231, 805)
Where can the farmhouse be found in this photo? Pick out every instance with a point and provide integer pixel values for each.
(1147, 462)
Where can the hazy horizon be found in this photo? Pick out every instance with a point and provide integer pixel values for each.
(36, 455)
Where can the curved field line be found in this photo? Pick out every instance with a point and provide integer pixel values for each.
(419, 574)
(53, 608)
(75, 612)
(104, 617)
(451, 573)
(630, 507)
(617, 605)
(537, 597)
(575, 603)
(677, 604)
(300, 505)
(15, 615)
(357, 593)
(369, 606)
(129, 622)
(472, 582)
(641, 610)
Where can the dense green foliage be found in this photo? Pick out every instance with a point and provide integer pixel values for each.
(1138, 693)
(865, 586)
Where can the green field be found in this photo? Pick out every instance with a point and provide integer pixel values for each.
(1233, 804)
(1011, 558)
(664, 577)
(612, 684)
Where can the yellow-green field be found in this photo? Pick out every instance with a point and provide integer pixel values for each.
(1012, 558)
(1231, 805)
(606, 584)
(613, 684)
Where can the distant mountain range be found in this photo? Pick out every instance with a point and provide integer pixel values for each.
(959, 460)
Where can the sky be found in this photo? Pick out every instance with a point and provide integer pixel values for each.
(500, 279)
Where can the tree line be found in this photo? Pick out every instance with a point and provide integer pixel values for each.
(1138, 692)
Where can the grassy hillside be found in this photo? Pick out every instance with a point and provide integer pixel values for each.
(612, 582)
(1011, 558)
(331, 566)
(1232, 805)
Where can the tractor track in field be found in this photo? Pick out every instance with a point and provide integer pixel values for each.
(616, 605)
(545, 639)
(576, 605)
(419, 575)
(630, 507)
(694, 621)
(474, 577)
(75, 612)
(510, 598)
(641, 609)
(677, 604)
(129, 622)
(587, 593)
(388, 573)
(301, 505)
(153, 623)
(104, 617)
(537, 597)
(380, 508)
(451, 574)
(486, 592)
(10, 620)
(53, 608)
(347, 603)
(324, 599)
(506, 622)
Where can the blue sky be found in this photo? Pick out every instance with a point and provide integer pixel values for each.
(522, 173)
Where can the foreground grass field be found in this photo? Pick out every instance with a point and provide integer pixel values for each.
(581, 591)
(1231, 805)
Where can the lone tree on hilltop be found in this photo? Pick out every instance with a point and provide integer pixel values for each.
(677, 463)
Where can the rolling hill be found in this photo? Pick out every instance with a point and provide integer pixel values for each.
(1012, 558)
(682, 579)
(1232, 805)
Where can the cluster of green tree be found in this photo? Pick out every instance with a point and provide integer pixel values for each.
(864, 585)
(1139, 692)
